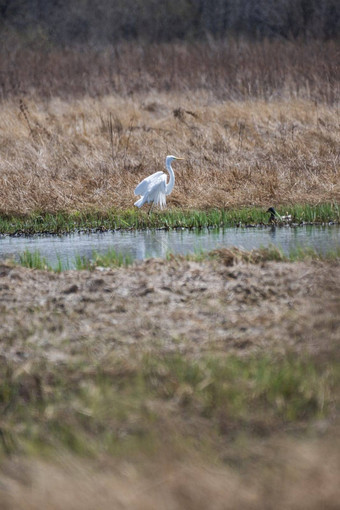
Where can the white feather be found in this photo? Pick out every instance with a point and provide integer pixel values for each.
(145, 186)
(154, 188)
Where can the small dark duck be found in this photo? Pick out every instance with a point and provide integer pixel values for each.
(275, 216)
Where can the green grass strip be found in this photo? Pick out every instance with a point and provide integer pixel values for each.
(229, 256)
(63, 222)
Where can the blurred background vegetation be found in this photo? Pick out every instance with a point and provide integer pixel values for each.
(235, 49)
(103, 22)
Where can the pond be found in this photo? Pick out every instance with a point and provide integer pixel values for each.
(159, 243)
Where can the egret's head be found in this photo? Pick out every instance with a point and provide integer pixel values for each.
(171, 158)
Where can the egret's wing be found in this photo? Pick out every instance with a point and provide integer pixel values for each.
(158, 179)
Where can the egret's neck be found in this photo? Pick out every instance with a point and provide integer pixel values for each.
(171, 183)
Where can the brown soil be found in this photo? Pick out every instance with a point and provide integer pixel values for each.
(173, 305)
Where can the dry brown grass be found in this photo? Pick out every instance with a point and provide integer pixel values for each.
(258, 124)
(90, 153)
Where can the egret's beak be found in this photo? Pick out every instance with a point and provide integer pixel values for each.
(180, 158)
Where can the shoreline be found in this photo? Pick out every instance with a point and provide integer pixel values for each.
(112, 220)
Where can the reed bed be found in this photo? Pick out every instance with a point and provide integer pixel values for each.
(257, 122)
(89, 154)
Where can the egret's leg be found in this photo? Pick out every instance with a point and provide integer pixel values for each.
(150, 209)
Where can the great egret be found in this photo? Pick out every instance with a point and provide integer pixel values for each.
(155, 188)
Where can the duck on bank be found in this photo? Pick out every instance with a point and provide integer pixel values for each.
(275, 217)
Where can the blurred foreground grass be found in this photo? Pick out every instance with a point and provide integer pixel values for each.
(130, 406)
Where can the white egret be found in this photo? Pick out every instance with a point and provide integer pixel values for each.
(154, 189)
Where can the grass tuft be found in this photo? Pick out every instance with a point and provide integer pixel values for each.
(33, 260)
(109, 259)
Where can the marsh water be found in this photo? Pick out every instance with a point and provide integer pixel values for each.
(158, 243)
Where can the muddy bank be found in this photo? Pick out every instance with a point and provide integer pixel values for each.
(175, 305)
(59, 332)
